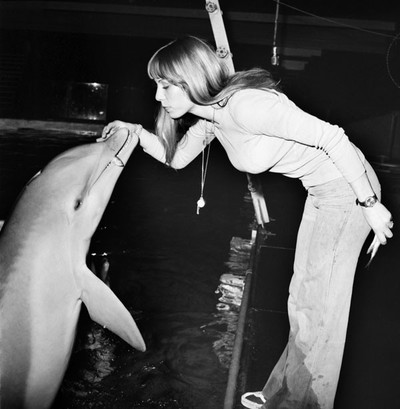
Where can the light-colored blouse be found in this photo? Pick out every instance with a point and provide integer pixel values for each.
(265, 131)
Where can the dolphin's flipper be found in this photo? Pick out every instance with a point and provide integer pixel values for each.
(106, 309)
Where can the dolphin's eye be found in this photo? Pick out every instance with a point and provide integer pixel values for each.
(78, 204)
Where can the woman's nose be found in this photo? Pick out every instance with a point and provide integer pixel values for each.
(159, 95)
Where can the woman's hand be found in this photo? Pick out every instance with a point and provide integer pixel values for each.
(110, 128)
(381, 222)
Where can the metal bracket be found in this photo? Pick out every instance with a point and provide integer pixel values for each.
(222, 52)
(211, 7)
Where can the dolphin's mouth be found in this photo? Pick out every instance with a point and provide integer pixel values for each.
(116, 160)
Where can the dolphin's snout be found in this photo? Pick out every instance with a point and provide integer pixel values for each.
(120, 142)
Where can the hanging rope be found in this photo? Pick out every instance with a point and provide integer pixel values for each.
(275, 57)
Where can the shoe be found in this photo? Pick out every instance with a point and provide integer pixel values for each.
(253, 400)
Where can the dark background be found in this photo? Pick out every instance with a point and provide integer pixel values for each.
(340, 60)
(346, 53)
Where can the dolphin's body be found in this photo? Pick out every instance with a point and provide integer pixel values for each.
(43, 273)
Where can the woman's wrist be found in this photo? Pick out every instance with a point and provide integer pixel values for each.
(362, 189)
(137, 130)
(369, 201)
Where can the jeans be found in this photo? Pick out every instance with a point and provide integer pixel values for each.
(330, 238)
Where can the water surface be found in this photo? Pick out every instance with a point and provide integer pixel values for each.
(164, 262)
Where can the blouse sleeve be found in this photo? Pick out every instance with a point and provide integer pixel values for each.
(191, 144)
(272, 114)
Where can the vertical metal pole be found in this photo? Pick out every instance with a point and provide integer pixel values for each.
(223, 51)
(230, 394)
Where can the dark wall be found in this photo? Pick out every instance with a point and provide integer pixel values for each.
(54, 61)
(338, 87)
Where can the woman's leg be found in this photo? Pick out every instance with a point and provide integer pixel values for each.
(277, 383)
(330, 238)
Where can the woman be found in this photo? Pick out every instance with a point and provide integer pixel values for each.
(262, 130)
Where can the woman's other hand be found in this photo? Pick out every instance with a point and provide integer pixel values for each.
(380, 220)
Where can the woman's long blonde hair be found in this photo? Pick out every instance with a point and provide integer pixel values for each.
(192, 64)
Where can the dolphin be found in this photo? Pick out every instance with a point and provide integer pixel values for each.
(43, 274)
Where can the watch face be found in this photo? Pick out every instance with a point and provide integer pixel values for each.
(370, 201)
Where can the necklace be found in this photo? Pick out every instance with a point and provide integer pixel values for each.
(204, 162)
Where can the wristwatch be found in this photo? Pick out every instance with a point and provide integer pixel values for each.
(370, 201)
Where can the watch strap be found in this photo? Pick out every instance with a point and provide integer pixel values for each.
(367, 201)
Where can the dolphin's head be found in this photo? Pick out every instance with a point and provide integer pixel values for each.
(43, 272)
(75, 186)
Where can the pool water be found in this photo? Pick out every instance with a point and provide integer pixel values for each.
(164, 262)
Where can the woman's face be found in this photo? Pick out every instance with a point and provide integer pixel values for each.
(173, 99)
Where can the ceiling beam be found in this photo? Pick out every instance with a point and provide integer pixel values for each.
(296, 32)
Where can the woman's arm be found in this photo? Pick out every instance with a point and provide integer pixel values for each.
(274, 115)
(191, 144)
